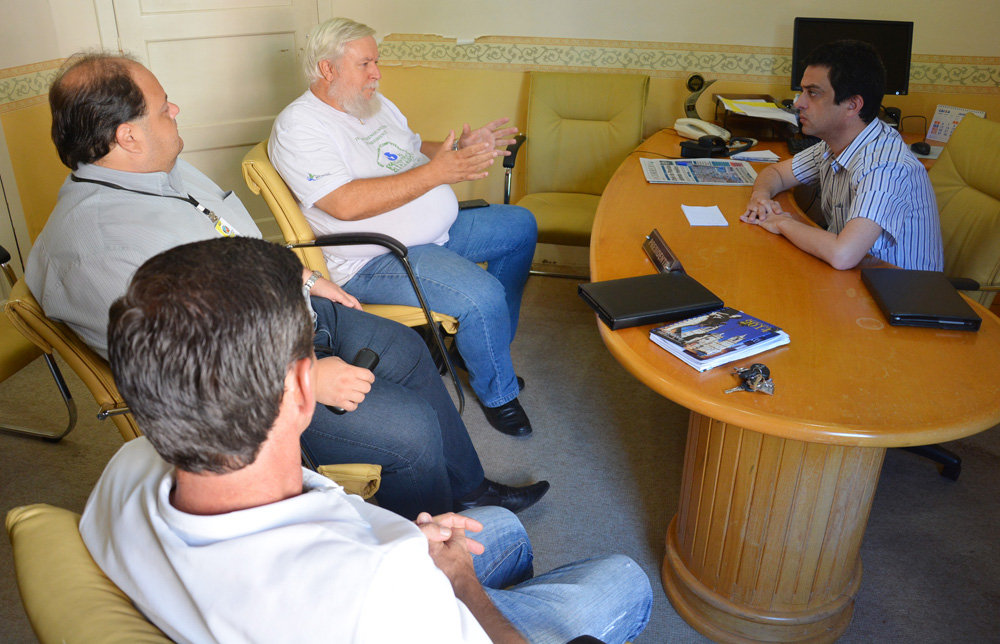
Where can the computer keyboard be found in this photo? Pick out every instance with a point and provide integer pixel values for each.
(798, 145)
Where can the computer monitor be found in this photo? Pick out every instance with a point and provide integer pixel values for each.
(893, 41)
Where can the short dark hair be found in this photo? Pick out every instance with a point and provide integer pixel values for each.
(91, 96)
(855, 69)
(200, 345)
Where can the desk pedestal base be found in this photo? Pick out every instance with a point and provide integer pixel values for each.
(765, 544)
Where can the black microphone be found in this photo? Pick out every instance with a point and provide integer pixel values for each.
(366, 359)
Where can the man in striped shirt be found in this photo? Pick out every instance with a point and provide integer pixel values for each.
(876, 196)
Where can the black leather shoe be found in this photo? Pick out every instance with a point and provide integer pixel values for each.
(459, 363)
(509, 419)
(513, 498)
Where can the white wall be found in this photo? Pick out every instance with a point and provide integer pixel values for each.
(33, 31)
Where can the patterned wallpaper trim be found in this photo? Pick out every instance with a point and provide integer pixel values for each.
(765, 65)
(27, 85)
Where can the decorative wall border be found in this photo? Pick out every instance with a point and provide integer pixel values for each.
(764, 65)
(27, 85)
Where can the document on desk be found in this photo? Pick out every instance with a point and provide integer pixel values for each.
(704, 215)
(760, 109)
(707, 172)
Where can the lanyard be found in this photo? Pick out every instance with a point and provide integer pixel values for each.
(214, 218)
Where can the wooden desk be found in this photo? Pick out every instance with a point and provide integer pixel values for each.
(776, 490)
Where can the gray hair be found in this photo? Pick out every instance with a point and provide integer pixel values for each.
(326, 42)
(200, 345)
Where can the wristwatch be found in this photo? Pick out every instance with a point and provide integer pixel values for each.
(309, 282)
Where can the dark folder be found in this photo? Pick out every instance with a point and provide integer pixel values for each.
(919, 298)
(648, 299)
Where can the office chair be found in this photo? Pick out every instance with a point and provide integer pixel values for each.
(966, 181)
(66, 595)
(263, 179)
(580, 128)
(16, 352)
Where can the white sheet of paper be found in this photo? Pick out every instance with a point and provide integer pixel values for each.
(704, 215)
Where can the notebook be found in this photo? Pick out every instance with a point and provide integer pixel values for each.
(648, 299)
(919, 298)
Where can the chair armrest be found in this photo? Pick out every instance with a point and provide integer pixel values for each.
(394, 246)
(508, 161)
(508, 165)
(969, 284)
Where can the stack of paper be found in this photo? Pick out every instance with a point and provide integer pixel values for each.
(759, 109)
(757, 156)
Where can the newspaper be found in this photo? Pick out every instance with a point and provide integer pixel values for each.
(706, 172)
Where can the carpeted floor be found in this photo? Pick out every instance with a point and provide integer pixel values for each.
(612, 450)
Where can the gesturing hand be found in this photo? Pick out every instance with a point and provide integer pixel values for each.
(490, 133)
(467, 164)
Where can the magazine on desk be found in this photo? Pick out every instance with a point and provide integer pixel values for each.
(717, 338)
(705, 172)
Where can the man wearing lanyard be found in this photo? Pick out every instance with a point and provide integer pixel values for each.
(129, 198)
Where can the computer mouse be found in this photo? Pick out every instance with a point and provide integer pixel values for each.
(921, 147)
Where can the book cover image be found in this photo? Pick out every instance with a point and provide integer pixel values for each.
(715, 333)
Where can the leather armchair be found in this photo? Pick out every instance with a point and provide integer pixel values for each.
(25, 314)
(580, 128)
(966, 180)
(16, 352)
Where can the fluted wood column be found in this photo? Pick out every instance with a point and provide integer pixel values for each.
(765, 544)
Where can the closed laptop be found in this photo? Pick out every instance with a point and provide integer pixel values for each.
(648, 299)
(919, 298)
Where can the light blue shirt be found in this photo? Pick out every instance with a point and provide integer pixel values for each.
(878, 178)
(98, 236)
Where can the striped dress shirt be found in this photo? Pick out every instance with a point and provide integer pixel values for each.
(877, 177)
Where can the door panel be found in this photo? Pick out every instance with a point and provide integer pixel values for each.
(230, 65)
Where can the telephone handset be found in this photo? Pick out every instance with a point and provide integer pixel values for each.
(696, 128)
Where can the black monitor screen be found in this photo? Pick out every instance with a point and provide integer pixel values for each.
(893, 40)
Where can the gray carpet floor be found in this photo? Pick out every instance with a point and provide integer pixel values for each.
(612, 450)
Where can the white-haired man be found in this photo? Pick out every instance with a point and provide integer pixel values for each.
(354, 165)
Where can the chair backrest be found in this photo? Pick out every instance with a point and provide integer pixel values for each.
(263, 179)
(580, 128)
(27, 316)
(966, 180)
(66, 596)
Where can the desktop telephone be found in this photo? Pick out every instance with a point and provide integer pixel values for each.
(696, 128)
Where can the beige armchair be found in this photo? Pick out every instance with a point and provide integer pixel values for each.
(966, 180)
(17, 352)
(26, 315)
(580, 128)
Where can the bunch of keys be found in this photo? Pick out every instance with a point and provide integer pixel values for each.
(756, 377)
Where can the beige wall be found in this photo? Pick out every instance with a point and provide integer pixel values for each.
(440, 93)
(961, 28)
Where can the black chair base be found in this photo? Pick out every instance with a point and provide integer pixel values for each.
(951, 463)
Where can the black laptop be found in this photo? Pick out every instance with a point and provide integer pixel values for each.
(919, 298)
(648, 299)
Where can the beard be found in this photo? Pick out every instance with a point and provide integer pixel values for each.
(355, 103)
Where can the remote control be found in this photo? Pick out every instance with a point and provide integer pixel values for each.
(366, 359)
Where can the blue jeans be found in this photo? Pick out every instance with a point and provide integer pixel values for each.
(487, 303)
(407, 423)
(608, 597)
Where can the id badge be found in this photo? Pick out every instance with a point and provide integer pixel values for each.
(224, 229)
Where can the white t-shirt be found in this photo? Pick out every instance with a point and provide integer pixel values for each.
(318, 149)
(323, 566)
